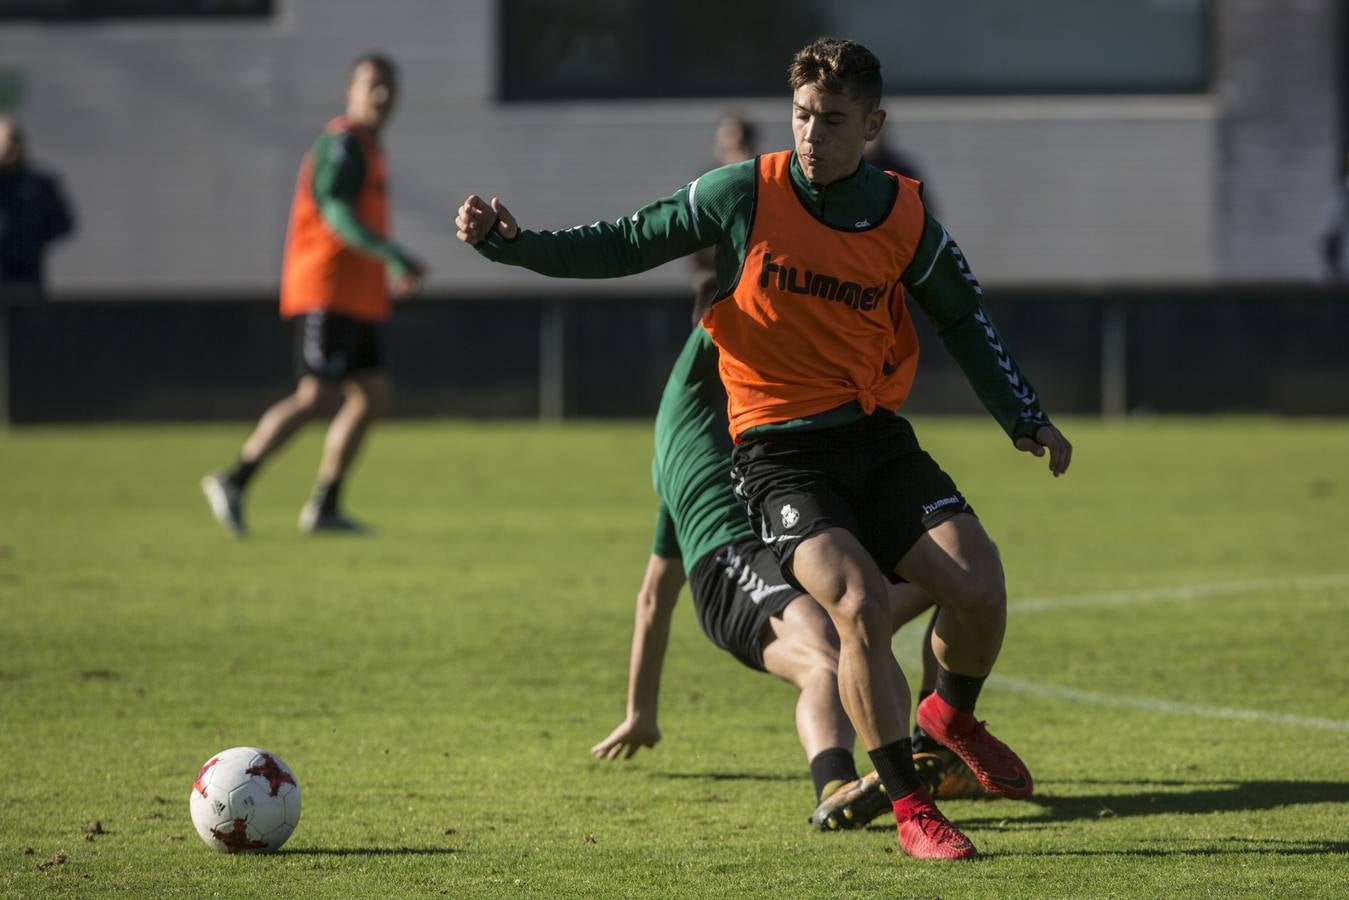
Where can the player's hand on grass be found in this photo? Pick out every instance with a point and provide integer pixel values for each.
(477, 218)
(625, 740)
(1047, 437)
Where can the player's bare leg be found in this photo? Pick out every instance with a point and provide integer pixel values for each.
(283, 418)
(801, 648)
(958, 564)
(224, 491)
(366, 397)
(840, 574)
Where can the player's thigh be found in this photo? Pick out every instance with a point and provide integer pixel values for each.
(315, 394)
(908, 494)
(841, 575)
(790, 487)
(370, 388)
(958, 564)
(801, 643)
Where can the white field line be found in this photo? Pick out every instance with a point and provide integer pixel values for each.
(1178, 592)
(1058, 692)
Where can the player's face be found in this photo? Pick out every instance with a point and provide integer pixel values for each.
(731, 144)
(830, 132)
(370, 97)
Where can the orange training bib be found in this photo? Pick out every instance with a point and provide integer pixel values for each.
(817, 318)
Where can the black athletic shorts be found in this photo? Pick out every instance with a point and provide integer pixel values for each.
(869, 477)
(736, 590)
(334, 347)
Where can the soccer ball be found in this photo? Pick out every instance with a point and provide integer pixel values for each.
(245, 800)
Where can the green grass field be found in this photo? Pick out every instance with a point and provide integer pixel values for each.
(1176, 673)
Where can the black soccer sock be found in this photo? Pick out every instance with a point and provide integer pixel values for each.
(239, 473)
(894, 764)
(961, 691)
(325, 495)
(833, 764)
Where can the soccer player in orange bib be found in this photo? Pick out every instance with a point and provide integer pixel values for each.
(336, 278)
(817, 354)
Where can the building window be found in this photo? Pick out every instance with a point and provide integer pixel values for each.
(624, 49)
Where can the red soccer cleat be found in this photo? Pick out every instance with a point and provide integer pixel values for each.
(998, 769)
(924, 832)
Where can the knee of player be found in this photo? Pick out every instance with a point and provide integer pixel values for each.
(859, 611)
(369, 399)
(983, 591)
(309, 397)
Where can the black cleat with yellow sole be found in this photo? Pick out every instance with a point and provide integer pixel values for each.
(852, 805)
(945, 775)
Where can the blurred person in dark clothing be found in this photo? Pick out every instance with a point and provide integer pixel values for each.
(881, 154)
(733, 141)
(1336, 224)
(33, 211)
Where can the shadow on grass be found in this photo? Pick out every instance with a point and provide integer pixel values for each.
(366, 851)
(728, 776)
(1210, 797)
(1221, 847)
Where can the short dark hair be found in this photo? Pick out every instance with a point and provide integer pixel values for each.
(381, 64)
(839, 67)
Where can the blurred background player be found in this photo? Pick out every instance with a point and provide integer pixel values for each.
(337, 276)
(743, 603)
(735, 140)
(33, 213)
(1336, 224)
(886, 156)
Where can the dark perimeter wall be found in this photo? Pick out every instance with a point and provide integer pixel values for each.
(1272, 349)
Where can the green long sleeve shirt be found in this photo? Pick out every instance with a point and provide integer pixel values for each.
(716, 210)
(338, 171)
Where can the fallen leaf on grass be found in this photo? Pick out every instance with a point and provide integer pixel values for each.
(58, 859)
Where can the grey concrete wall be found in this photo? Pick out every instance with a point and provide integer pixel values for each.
(179, 143)
(1279, 100)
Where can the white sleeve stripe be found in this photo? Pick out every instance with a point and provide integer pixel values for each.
(693, 211)
(945, 239)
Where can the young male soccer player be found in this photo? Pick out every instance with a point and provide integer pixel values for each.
(336, 277)
(743, 602)
(817, 355)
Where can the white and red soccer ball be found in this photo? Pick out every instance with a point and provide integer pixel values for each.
(245, 800)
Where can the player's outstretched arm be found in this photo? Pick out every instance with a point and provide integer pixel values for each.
(660, 231)
(656, 600)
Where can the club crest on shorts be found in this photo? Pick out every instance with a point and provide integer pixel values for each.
(789, 515)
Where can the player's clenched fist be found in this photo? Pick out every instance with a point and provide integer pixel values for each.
(477, 218)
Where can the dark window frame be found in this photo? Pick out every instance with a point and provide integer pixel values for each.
(57, 11)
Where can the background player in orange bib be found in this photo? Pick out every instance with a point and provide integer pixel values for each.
(336, 281)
